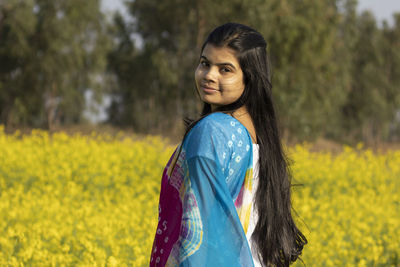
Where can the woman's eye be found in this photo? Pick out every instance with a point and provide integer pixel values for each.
(204, 63)
(225, 70)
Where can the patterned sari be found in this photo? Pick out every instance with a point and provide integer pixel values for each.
(204, 208)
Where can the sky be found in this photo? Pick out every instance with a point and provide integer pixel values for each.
(382, 9)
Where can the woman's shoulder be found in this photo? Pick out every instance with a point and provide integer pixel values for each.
(217, 131)
(220, 122)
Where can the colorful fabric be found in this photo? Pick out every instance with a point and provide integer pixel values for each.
(203, 211)
(251, 198)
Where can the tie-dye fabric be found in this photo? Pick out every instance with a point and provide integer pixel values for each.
(204, 208)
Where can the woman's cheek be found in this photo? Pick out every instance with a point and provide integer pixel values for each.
(233, 84)
(197, 75)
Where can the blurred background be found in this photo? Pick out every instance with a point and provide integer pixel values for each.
(130, 64)
(119, 70)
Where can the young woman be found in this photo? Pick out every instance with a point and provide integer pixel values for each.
(225, 193)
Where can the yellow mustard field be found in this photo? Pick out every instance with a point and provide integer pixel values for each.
(92, 201)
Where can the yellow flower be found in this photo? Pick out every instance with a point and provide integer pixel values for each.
(93, 201)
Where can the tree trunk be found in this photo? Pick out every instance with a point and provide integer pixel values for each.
(6, 115)
(51, 106)
(367, 134)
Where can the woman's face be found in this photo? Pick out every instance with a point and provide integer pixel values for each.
(219, 78)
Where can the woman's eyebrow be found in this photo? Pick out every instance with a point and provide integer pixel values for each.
(219, 64)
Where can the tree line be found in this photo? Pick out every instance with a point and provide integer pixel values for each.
(335, 73)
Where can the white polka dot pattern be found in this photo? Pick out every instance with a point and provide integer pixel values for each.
(237, 151)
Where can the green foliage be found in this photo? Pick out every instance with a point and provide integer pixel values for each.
(373, 97)
(307, 76)
(336, 74)
(50, 51)
(159, 90)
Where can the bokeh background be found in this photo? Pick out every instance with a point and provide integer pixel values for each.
(92, 97)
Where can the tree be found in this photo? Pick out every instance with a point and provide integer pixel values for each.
(63, 52)
(391, 68)
(328, 64)
(307, 75)
(373, 98)
(173, 31)
(17, 26)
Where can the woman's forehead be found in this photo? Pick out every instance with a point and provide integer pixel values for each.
(220, 54)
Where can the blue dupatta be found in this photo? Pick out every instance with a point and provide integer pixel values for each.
(203, 217)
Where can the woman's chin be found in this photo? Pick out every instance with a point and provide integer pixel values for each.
(209, 100)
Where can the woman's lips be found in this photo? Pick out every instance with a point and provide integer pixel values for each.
(208, 90)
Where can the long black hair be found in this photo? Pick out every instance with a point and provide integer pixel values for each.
(278, 241)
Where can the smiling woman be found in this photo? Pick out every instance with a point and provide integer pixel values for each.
(225, 195)
(219, 78)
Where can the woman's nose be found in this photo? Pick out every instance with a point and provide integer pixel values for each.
(210, 74)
